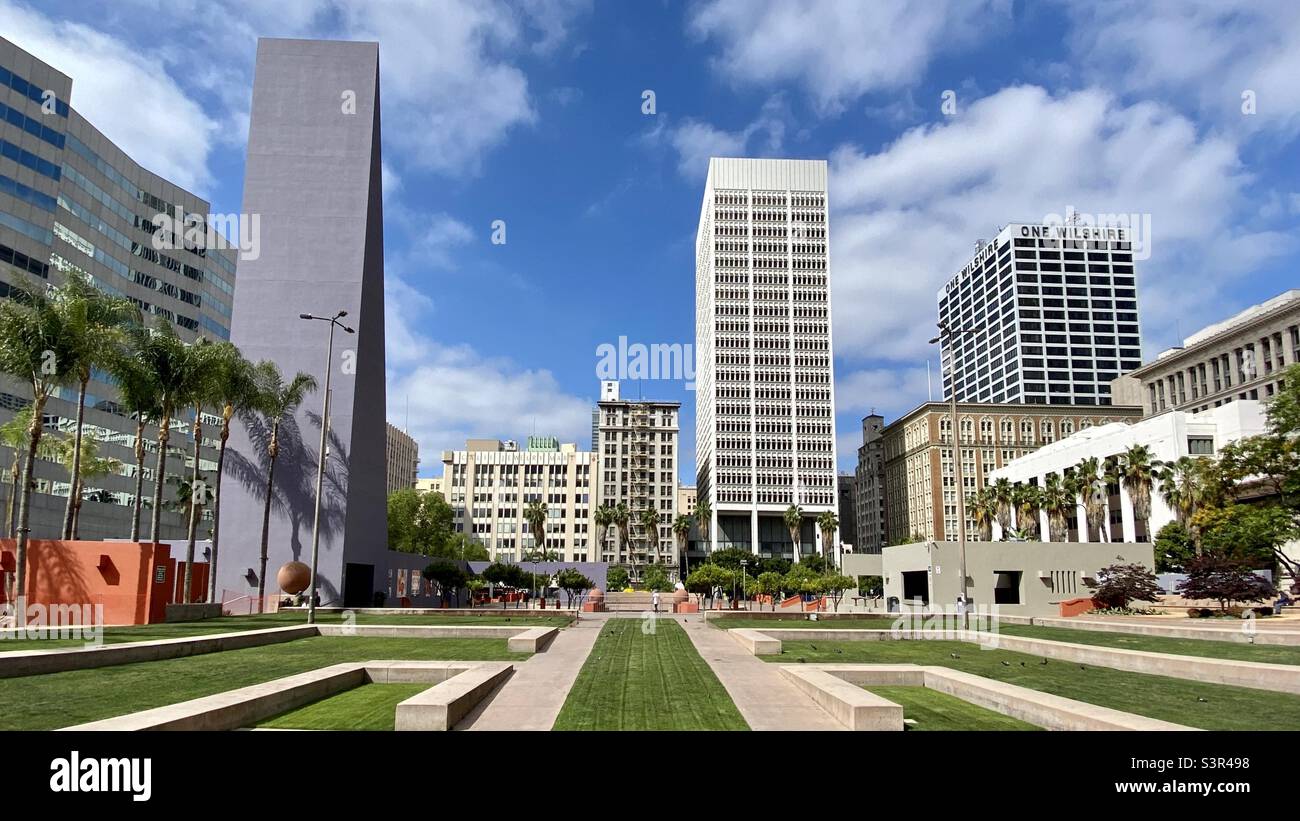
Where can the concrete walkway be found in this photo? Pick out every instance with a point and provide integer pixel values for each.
(766, 699)
(532, 697)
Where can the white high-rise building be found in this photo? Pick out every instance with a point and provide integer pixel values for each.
(765, 396)
(1051, 314)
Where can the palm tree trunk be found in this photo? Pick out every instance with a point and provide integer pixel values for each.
(73, 479)
(12, 512)
(76, 511)
(139, 480)
(160, 473)
(216, 512)
(196, 504)
(24, 503)
(266, 519)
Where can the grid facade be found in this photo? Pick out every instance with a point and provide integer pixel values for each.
(403, 460)
(765, 431)
(638, 466)
(490, 484)
(74, 204)
(1051, 314)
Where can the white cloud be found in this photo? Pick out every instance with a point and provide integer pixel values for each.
(1208, 52)
(123, 92)
(905, 218)
(838, 50)
(695, 141)
(455, 393)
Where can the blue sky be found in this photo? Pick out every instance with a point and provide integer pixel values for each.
(531, 112)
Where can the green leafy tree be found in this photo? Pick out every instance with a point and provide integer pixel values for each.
(815, 563)
(802, 579)
(463, 547)
(575, 586)
(616, 579)
(731, 557)
(449, 576)
(419, 523)
(834, 585)
(277, 401)
(656, 578)
(1254, 534)
(771, 564)
(707, 578)
(769, 584)
(704, 518)
(1173, 548)
(1119, 584)
(15, 434)
(1186, 487)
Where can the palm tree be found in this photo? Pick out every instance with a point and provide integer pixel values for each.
(1028, 500)
(1000, 493)
(793, 518)
(95, 325)
(137, 393)
(828, 523)
(91, 465)
(13, 435)
(1137, 474)
(178, 375)
(185, 500)
(277, 401)
(981, 508)
(621, 516)
(649, 520)
(234, 390)
(682, 531)
(205, 353)
(1184, 489)
(535, 516)
(1092, 486)
(35, 330)
(1057, 500)
(603, 518)
(704, 518)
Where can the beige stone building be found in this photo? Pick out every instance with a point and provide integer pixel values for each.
(1242, 357)
(403, 460)
(920, 494)
(491, 483)
(638, 450)
(686, 500)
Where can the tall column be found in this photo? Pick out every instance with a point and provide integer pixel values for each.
(1126, 512)
(1081, 515)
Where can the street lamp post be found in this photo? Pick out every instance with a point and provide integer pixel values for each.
(951, 334)
(320, 462)
(744, 577)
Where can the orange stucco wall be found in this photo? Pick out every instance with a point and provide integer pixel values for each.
(134, 581)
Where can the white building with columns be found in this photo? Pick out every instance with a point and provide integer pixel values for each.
(1169, 436)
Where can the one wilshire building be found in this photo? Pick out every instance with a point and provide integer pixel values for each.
(1050, 314)
(765, 427)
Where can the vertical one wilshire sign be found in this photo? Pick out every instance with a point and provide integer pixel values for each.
(312, 179)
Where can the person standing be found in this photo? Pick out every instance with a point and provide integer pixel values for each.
(654, 601)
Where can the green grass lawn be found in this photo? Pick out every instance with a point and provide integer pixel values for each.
(368, 707)
(634, 681)
(77, 696)
(233, 624)
(1168, 699)
(933, 710)
(1272, 654)
(869, 623)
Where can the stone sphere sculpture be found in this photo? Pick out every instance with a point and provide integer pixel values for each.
(596, 595)
(680, 595)
(293, 577)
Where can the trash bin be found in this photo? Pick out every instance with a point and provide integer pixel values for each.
(892, 604)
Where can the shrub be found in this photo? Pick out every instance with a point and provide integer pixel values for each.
(1224, 579)
(1120, 584)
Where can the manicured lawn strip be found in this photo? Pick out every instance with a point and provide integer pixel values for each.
(1168, 699)
(934, 710)
(875, 623)
(368, 707)
(236, 624)
(635, 681)
(1268, 653)
(77, 696)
